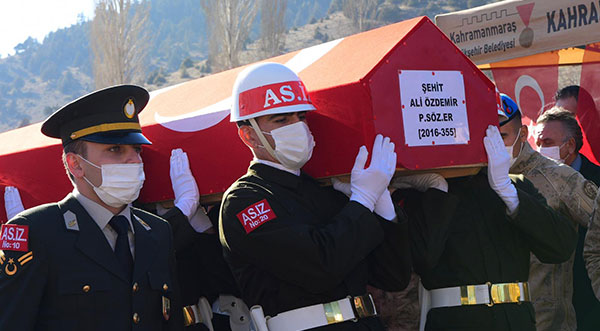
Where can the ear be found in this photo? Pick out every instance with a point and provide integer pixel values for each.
(571, 145)
(74, 165)
(248, 136)
(524, 133)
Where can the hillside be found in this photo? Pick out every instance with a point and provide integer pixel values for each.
(41, 77)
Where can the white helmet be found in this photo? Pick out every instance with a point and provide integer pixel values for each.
(268, 88)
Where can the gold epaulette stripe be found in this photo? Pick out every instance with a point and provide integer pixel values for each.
(25, 256)
(26, 260)
(104, 128)
(2, 257)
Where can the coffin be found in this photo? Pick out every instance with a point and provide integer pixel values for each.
(406, 80)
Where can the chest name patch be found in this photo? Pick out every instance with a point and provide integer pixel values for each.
(14, 237)
(256, 215)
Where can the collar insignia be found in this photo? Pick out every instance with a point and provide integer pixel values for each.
(71, 221)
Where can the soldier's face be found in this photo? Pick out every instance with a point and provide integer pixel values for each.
(268, 123)
(100, 154)
(512, 135)
(271, 122)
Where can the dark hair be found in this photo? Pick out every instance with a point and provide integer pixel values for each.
(517, 119)
(567, 92)
(567, 119)
(582, 96)
(242, 123)
(77, 147)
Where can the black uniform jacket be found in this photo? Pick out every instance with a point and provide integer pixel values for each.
(465, 237)
(74, 282)
(201, 268)
(590, 170)
(291, 243)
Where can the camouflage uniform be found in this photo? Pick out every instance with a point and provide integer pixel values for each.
(399, 311)
(570, 193)
(591, 249)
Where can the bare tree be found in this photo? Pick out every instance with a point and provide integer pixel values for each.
(228, 24)
(272, 27)
(360, 12)
(119, 40)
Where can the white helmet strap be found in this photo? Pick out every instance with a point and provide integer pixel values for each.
(262, 138)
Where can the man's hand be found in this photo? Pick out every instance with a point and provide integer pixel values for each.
(368, 184)
(498, 166)
(184, 185)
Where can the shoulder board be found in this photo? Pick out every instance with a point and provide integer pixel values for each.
(141, 221)
(70, 221)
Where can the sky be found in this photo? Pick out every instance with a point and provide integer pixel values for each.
(20, 19)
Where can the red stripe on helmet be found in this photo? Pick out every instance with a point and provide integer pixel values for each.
(273, 96)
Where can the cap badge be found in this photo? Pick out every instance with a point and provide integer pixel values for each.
(129, 109)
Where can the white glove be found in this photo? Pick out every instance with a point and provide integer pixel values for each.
(184, 185)
(12, 202)
(160, 210)
(367, 185)
(340, 186)
(384, 206)
(200, 221)
(421, 182)
(498, 165)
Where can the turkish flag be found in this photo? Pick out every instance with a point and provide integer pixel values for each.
(531, 87)
(588, 105)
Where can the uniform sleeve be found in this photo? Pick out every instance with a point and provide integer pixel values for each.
(578, 198)
(591, 249)
(390, 263)
(22, 283)
(428, 227)
(176, 320)
(297, 247)
(551, 236)
(183, 233)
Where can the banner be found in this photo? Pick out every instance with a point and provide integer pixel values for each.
(509, 29)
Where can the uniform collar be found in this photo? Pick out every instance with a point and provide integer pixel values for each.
(277, 165)
(272, 174)
(577, 163)
(526, 160)
(99, 214)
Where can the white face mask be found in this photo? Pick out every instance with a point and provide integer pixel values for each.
(293, 145)
(510, 149)
(121, 183)
(552, 152)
